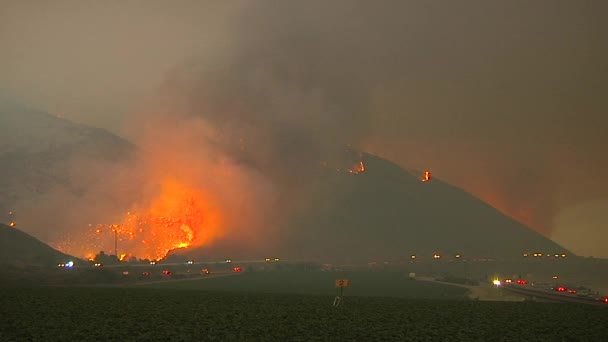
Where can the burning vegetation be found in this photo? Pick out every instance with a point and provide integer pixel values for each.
(180, 217)
(11, 220)
(426, 176)
(357, 168)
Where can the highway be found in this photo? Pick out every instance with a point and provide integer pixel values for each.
(198, 263)
(534, 293)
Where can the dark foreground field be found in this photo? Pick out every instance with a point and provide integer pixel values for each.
(133, 314)
(362, 283)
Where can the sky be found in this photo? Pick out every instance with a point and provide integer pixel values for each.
(503, 99)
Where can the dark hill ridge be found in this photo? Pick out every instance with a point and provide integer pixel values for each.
(20, 249)
(38, 152)
(387, 213)
(31, 132)
(49, 165)
(28, 262)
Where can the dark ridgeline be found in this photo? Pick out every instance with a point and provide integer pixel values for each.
(381, 212)
(20, 249)
(41, 153)
(388, 213)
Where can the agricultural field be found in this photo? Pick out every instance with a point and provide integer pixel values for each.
(363, 283)
(142, 314)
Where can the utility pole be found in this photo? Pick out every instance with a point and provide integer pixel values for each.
(116, 243)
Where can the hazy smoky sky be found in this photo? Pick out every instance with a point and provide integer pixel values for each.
(504, 99)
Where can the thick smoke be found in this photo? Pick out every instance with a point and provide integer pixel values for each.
(235, 198)
(298, 81)
(505, 100)
(425, 85)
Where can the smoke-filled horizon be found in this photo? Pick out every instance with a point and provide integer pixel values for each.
(504, 100)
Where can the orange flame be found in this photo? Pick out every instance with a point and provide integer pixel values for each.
(427, 176)
(357, 168)
(180, 217)
(12, 224)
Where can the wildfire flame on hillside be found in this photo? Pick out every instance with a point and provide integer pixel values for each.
(180, 217)
(11, 223)
(357, 168)
(426, 176)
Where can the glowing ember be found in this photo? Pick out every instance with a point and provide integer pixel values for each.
(12, 224)
(426, 176)
(357, 168)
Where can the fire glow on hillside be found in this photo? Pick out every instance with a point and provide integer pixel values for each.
(426, 176)
(180, 217)
(357, 168)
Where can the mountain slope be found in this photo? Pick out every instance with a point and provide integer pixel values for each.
(21, 249)
(38, 152)
(382, 212)
(387, 212)
(49, 164)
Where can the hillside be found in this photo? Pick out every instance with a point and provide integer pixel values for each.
(39, 151)
(387, 212)
(49, 164)
(381, 212)
(21, 249)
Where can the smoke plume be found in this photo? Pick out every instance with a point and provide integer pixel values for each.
(502, 99)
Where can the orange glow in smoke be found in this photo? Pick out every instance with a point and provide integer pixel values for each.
(179, 217)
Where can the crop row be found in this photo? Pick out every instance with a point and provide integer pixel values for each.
(115, 314)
